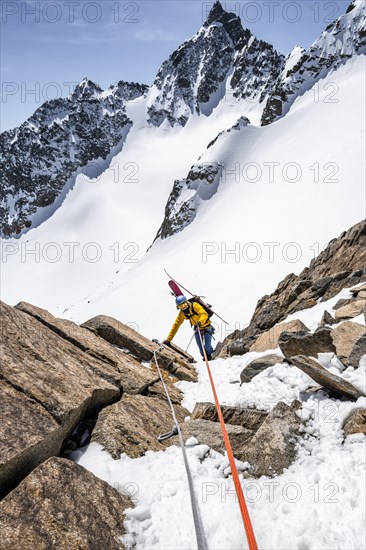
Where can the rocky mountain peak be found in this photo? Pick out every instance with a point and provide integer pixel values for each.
(86, 89)
(230, 22)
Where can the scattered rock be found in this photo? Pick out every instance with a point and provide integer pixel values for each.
(52, 507)
(355, 423)
(142, 348)
(298, 343)
(269, 339)
(350, 310)
(344, 337)
(327, 319)
(259, 365)
(356, 290)
(251, 419)
(209, 433)
(328, 380)
(272, 448)
(343, 302)
(132, 425)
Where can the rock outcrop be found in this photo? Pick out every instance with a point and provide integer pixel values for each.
(343, 38)
(55, 374)
(209, 433)
(340, 265)
(62, 505)
(142, 348)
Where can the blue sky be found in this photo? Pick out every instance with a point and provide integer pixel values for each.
(47, 46)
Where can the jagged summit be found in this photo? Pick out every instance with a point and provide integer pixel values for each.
(85, 89)
(230, 22)
(221, 59)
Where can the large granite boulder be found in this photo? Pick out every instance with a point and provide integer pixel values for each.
(52, 383)
(259, 365)
(273, 447)
(269, 339)
(132, 425)
(28, 434)
(251, 419)
(118, 367)
(337, 385)
(62, 505)
(345, 337)
(125, 337)
(310, 344)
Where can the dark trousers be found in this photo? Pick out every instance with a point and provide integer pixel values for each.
(206, 335)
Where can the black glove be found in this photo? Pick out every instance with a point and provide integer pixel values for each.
(167, 343)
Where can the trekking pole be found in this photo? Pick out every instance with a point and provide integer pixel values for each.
(190, 342)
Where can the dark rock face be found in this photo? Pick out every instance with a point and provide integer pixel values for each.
(340, 265)
(306, 344)
(328, 380)
(341, 40)
(221, 56)
(202, 182)
(52, 508)
(259, 365)
(41, 156)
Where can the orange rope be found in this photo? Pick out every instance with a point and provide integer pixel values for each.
(238, 488)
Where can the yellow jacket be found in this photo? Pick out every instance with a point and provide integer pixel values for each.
(196, 315)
